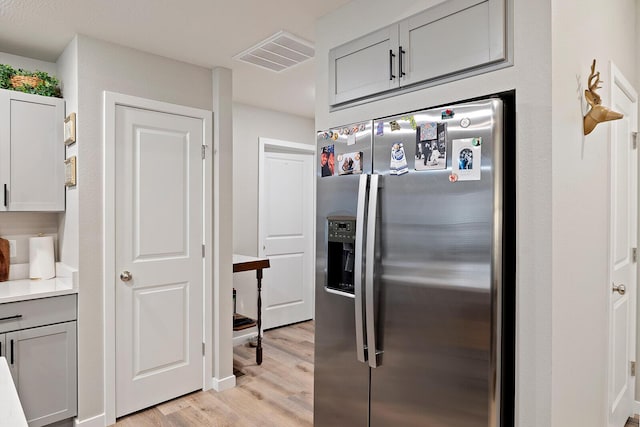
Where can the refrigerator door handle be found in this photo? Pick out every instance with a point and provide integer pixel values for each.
(372, 217)
(361, 348)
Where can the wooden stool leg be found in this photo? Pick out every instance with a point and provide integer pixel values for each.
(259, 347)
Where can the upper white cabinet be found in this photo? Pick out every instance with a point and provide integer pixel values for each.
(31, 152)
(453, 39)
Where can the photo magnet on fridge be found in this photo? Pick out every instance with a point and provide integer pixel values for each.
(429, 131)
(327, 161)
(466, 160)
(380, 129)
(350, 163)
(398, 164)
(431, 154)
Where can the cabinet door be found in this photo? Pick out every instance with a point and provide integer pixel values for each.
(3, 347)
(44, 369)
(451, 38)
(32, 136)
(364, 67)
(5, 150)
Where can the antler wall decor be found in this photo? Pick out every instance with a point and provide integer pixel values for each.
(597, 113)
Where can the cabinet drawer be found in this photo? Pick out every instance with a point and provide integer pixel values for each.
(37, 312)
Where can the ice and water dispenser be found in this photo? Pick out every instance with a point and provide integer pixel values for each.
(341, 244)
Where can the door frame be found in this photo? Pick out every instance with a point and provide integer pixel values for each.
(271, 144)
(617, 79)
(111, 101)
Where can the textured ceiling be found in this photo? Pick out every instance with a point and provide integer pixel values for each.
(203, 32)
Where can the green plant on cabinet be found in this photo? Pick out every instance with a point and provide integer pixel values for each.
(35, 82)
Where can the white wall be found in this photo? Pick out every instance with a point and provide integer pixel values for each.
(19, 226)
(68, 231)
(583, 30)
(105, 66)
(222, 237)
(28, 64)
(637, 83)
(531, 77)
(249, 124)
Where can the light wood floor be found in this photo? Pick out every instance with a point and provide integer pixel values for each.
(277, 393)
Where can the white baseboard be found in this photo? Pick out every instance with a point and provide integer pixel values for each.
(97, 421)
(223, 384)
(243, 337)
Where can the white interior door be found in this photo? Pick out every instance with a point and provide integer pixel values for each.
(286, 236)
(158, 242)
(623, 232)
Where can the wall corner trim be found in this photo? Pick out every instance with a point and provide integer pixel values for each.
(224, 383)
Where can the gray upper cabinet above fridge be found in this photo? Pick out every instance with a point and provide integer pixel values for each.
(31, 152)
(364, 66)
(452, 40)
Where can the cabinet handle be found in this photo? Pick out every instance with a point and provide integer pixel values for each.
(5, 195)
(0, 348)
(401, 52)
(391, 76)
(12, 352)
(17, 316)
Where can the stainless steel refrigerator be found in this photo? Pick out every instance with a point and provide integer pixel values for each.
(410, 270)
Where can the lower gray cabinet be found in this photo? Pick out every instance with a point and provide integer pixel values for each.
(43, 364)
(38, 339)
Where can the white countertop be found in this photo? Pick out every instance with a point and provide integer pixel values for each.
(11, 412)
(19, 288)
(25, 289)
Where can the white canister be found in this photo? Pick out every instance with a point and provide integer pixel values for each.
(42, 263)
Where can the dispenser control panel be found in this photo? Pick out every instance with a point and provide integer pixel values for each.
(342, 230)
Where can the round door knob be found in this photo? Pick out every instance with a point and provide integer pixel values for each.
(125, 276)
(621, 289)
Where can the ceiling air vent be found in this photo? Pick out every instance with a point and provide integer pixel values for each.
(279, 52)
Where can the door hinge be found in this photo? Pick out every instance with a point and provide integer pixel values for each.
(634, 254)
(203, 349)
(634, 137)
(203, 250)
(204, 151)
(633, 369)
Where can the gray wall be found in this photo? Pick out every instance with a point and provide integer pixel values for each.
(105, 66)
(249, 124)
